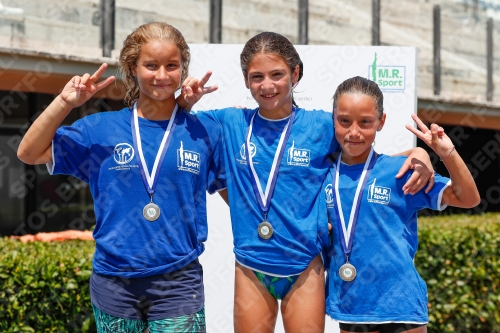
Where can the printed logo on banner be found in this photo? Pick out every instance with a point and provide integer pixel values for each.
(188, 160)
(329, 196)
(298, 156)
(123, 153)
(253, 151)
(388, 78)
(379, 194)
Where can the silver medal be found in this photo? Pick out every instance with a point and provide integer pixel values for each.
(265, 230)
(347, 272)
(151, 212)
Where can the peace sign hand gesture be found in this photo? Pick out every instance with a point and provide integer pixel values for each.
(81, 88)
(435, 137)
(193, 90)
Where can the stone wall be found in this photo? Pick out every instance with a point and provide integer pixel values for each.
(71, 27)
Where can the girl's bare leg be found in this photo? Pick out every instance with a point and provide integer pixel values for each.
(303, 308)
(255, 310)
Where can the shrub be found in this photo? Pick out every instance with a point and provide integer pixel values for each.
(44, 287)
(458, 257)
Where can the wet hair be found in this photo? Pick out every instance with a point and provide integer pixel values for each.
(271, 42)
(360, 85)
(131, 50)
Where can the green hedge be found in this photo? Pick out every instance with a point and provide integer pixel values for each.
(44, 286)
(459, 259)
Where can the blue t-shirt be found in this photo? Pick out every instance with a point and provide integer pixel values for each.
(99, 150)
(387, 287)
(296, 212)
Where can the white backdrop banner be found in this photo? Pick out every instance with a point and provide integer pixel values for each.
(325, 67)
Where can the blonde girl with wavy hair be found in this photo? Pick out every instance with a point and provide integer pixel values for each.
(148, 166)
(156, 32)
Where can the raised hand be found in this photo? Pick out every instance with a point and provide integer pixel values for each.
(434, 137)
(36, 145)
(193, 90)
(81, 88)
(463, 191)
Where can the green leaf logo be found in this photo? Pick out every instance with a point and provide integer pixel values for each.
(374, 68)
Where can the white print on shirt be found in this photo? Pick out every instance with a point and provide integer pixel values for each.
(253, 151)
(298, 156)
(329, 196)
(123, 153)
(188, 160)
(379, 194)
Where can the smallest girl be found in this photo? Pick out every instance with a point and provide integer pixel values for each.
(373, 285)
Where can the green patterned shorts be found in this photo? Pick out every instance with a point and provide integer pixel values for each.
(278, 287)
(192, 323)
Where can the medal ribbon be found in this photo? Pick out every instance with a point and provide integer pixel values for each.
(348, 234)
(264, 199)
(148, 179)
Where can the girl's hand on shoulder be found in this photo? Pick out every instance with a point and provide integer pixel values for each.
(193, 90)
(423, 172)
(434, 137)
(81, 88)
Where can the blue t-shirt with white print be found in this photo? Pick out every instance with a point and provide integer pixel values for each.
(296, 213)
(387, 287)
(99, 150)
